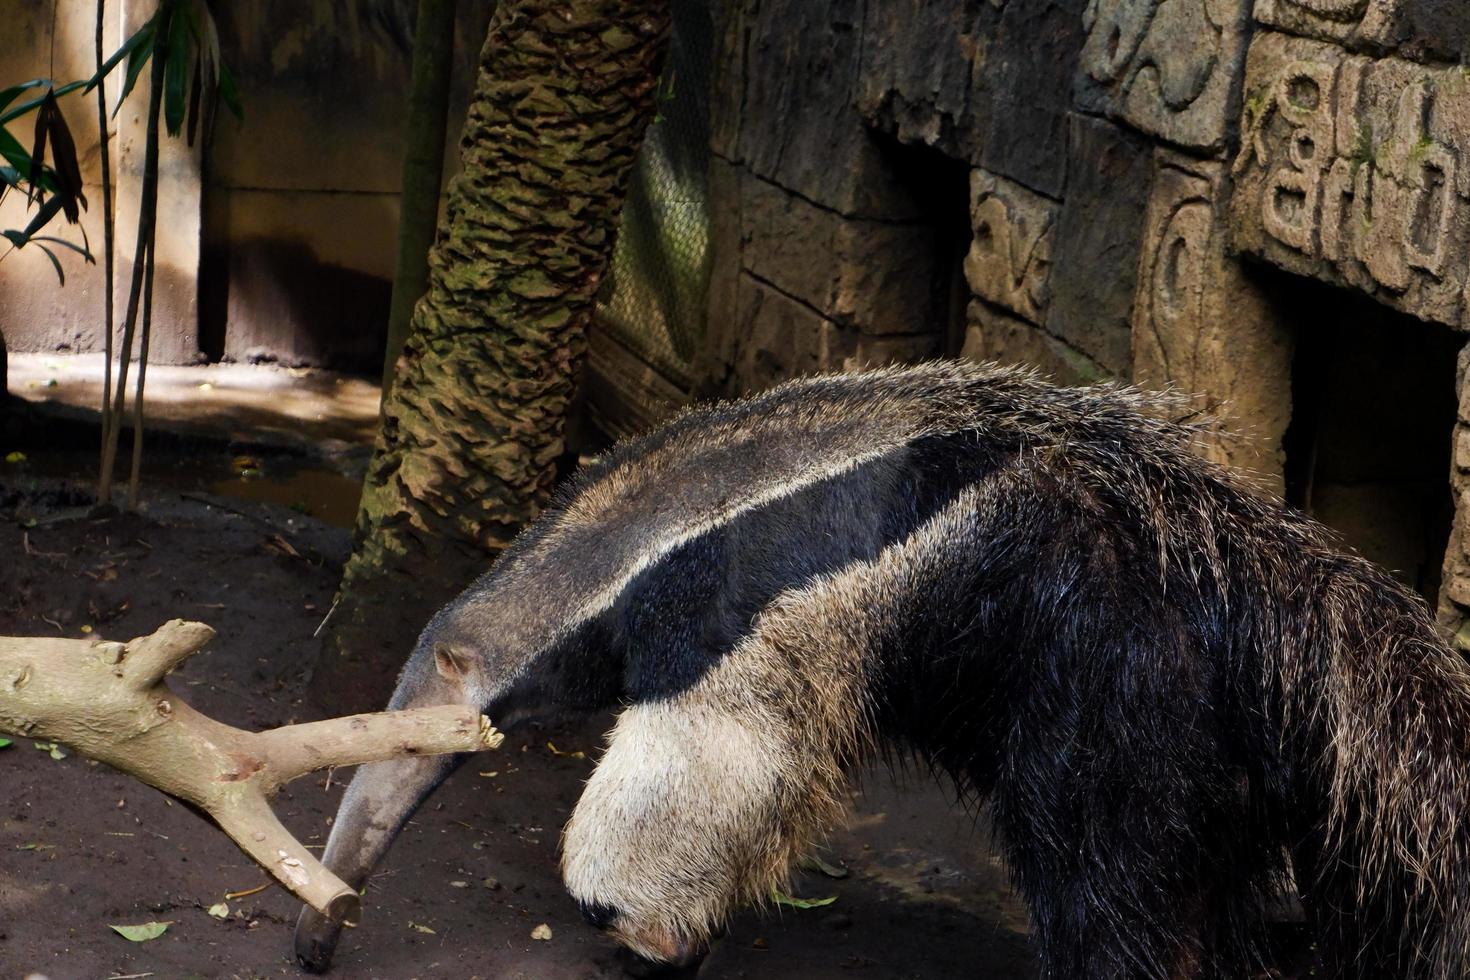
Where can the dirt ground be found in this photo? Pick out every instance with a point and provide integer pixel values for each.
(82, 847)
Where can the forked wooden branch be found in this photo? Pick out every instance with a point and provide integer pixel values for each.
(108, 702)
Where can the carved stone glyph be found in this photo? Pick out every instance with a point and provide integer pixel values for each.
(1354, 170)
(1010, 255)
(1454, 592)
(1201, 326)
(1418, 28)
(1167, 68)
(1337, 20)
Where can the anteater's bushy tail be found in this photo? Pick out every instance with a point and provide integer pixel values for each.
(1282, 701)
(1363, 711)
(1377, 706)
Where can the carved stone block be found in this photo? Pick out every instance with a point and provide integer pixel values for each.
(1357, 171)
(795, 124)
(992, 334)
(986, 81)
(1417, 28)
(1201, 326)
(1010, 256)
(776, 337)
(1099, 234)
(1171, 69)
(875, 276)
(1454, 592)
(919, 84)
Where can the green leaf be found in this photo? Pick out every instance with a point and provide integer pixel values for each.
(64, 159)
(38, 149)
(5, 743)
(43, 214)
(196, 92)
(18, 158)
(30, 104)
(141, 36)
(781, 898)
(14, 154)
(813, 862)
(176, 73)
(50, 748)
(26, 106)
(229, 93)
(81, 250)
(138, 56)
(9, 95)
(141, 933)
(209, 42)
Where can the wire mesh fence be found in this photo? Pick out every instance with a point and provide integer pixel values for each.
(653, 303)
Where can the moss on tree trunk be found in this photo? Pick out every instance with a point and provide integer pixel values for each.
(473, 426)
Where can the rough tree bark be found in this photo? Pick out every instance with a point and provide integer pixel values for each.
(423, 168)
(473, 427)
(108, 701)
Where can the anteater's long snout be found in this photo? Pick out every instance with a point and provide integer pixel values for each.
(381, 798)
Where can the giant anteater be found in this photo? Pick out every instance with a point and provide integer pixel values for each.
(1178, 697)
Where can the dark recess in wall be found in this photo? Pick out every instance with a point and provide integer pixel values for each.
(1374, 405)
(939, 186)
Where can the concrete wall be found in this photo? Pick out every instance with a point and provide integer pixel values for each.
(276, 236)
(47, 38)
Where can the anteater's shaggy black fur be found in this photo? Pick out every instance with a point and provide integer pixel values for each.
(1172, 692)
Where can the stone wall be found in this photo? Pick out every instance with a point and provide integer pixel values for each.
(1143, 186)
(276, 237)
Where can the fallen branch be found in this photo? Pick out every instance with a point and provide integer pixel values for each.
(108, 701)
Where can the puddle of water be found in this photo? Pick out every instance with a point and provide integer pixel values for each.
(320, 493)
(300, 484)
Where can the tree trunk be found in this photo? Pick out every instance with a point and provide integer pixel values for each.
(473, 426)
(423, 166)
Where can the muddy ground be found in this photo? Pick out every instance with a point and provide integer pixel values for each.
(82, 847)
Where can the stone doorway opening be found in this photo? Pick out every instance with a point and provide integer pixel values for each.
(938, 187)
(1369, 445)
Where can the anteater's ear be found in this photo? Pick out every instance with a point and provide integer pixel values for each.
(451, 663)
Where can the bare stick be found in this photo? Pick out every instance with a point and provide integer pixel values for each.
(294, 751)
(148, 659)
(108, 701)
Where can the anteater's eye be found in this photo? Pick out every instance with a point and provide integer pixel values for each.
(450, 664)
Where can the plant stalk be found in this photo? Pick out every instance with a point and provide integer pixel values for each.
(107, 258)
(147, 212)
(135, 471)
